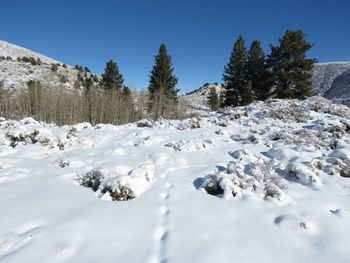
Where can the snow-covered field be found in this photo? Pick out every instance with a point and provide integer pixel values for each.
(277, 173)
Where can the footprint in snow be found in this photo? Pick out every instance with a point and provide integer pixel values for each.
(161, 232)
(292, 221)
(340, 212)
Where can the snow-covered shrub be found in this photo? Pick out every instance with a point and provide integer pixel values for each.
(303, 173)
(195, 124)
(191, 145)
(119, 192)
(238, 115)
(289, 110)
(322, 105)
(144, 123)
(62, 162)
(212, 185)
(119, 183)
(247, 173)
(71, 133)
(26, 138)
(91, 179)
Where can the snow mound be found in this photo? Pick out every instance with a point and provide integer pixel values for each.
(120, 183)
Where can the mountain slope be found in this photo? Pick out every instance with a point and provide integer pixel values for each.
(324, 74)
(18, 65)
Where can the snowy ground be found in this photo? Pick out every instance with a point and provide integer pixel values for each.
(279, 170)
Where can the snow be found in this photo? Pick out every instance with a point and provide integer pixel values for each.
(281, 177)
(16, 74)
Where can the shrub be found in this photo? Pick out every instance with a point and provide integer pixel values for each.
(54, 67)
(91, 179)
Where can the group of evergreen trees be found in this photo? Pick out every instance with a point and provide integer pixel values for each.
(250, 75)
(162, 82)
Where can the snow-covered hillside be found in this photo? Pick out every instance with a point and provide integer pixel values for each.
(268, 182)
(16, 72)
(324, 75)
(198, 99)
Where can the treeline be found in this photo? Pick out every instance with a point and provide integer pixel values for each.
(106, 101)
(251, 75)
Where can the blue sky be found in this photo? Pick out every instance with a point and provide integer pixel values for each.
(199, 34)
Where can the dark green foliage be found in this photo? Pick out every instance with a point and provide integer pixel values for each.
(80, 77)
(126, 92)
(112, 79)
(257, 71)
(87, 84)
(238, 92)
(95, 78)
(87, 69)
(30, 60)
(79, 68)
(162, 79)
(64, 65)
(222, 97)
(54, 67)
(213, 99)
(290, 67)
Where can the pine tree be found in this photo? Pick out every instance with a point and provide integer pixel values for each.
(112, 79)
(235, 76)
(213, 99)
(162, 80)
(257, 71)
(222, 97)
(290, 67)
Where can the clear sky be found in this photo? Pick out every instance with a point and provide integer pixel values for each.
(198, 34)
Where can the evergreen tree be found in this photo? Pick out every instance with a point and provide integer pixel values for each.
(222, 97)
(112, 79)
(290, 67)
(235, 76)
(162, 80)
(257, 71)
(213, 99)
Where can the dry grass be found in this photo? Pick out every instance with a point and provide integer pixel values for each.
(62, 106)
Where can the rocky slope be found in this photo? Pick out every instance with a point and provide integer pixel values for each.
(18, 65)
(325, 77)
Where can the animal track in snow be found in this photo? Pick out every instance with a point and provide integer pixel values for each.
(161, 232)
(17, 242)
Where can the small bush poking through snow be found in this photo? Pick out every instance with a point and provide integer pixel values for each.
(191, 145)
(119, 192)
(144, 123)
(91, 179)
